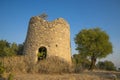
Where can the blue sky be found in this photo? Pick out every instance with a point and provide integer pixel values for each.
(80, 14)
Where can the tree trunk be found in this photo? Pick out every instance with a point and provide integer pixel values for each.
(93, 61)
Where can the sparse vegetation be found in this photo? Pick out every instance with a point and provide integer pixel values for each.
(43, 16)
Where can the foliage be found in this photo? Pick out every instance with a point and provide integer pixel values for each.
(2, 69)
(20, 49)
(106, 65)
(40, 54)
(7, 49)
(13, 48)
(10, 49)
(93, 43)
(80, 61)
(118, 69)
(43, 16)
(10, 77)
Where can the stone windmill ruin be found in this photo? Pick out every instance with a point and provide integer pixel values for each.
(45, 39)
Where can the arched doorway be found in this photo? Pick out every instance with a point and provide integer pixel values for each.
(42, 53)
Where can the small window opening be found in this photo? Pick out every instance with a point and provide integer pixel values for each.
(42, 53)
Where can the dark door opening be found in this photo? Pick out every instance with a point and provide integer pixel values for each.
(42, 53)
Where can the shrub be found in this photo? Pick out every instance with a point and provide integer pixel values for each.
(2, 69)
(10, 77)
(106, 65)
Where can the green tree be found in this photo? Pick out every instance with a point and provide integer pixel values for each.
(106, 65)
(93, 43)
(14, 49)
(101, 65)
(7, 49)
(20, 49)
(80, 61)
(4, 45)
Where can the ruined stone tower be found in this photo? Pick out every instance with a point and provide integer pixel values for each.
(54, 37)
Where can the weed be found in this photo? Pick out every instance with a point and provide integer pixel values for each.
(11, 76)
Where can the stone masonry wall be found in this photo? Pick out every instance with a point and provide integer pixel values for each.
(55, 36)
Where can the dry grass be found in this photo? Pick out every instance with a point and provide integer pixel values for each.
(51, 65)
(20, 65)
(14, 63)
(52, 68)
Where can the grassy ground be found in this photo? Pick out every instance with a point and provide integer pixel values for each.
(51, 68)
(96, 75)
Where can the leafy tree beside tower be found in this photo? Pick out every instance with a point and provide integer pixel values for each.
(93, 43)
